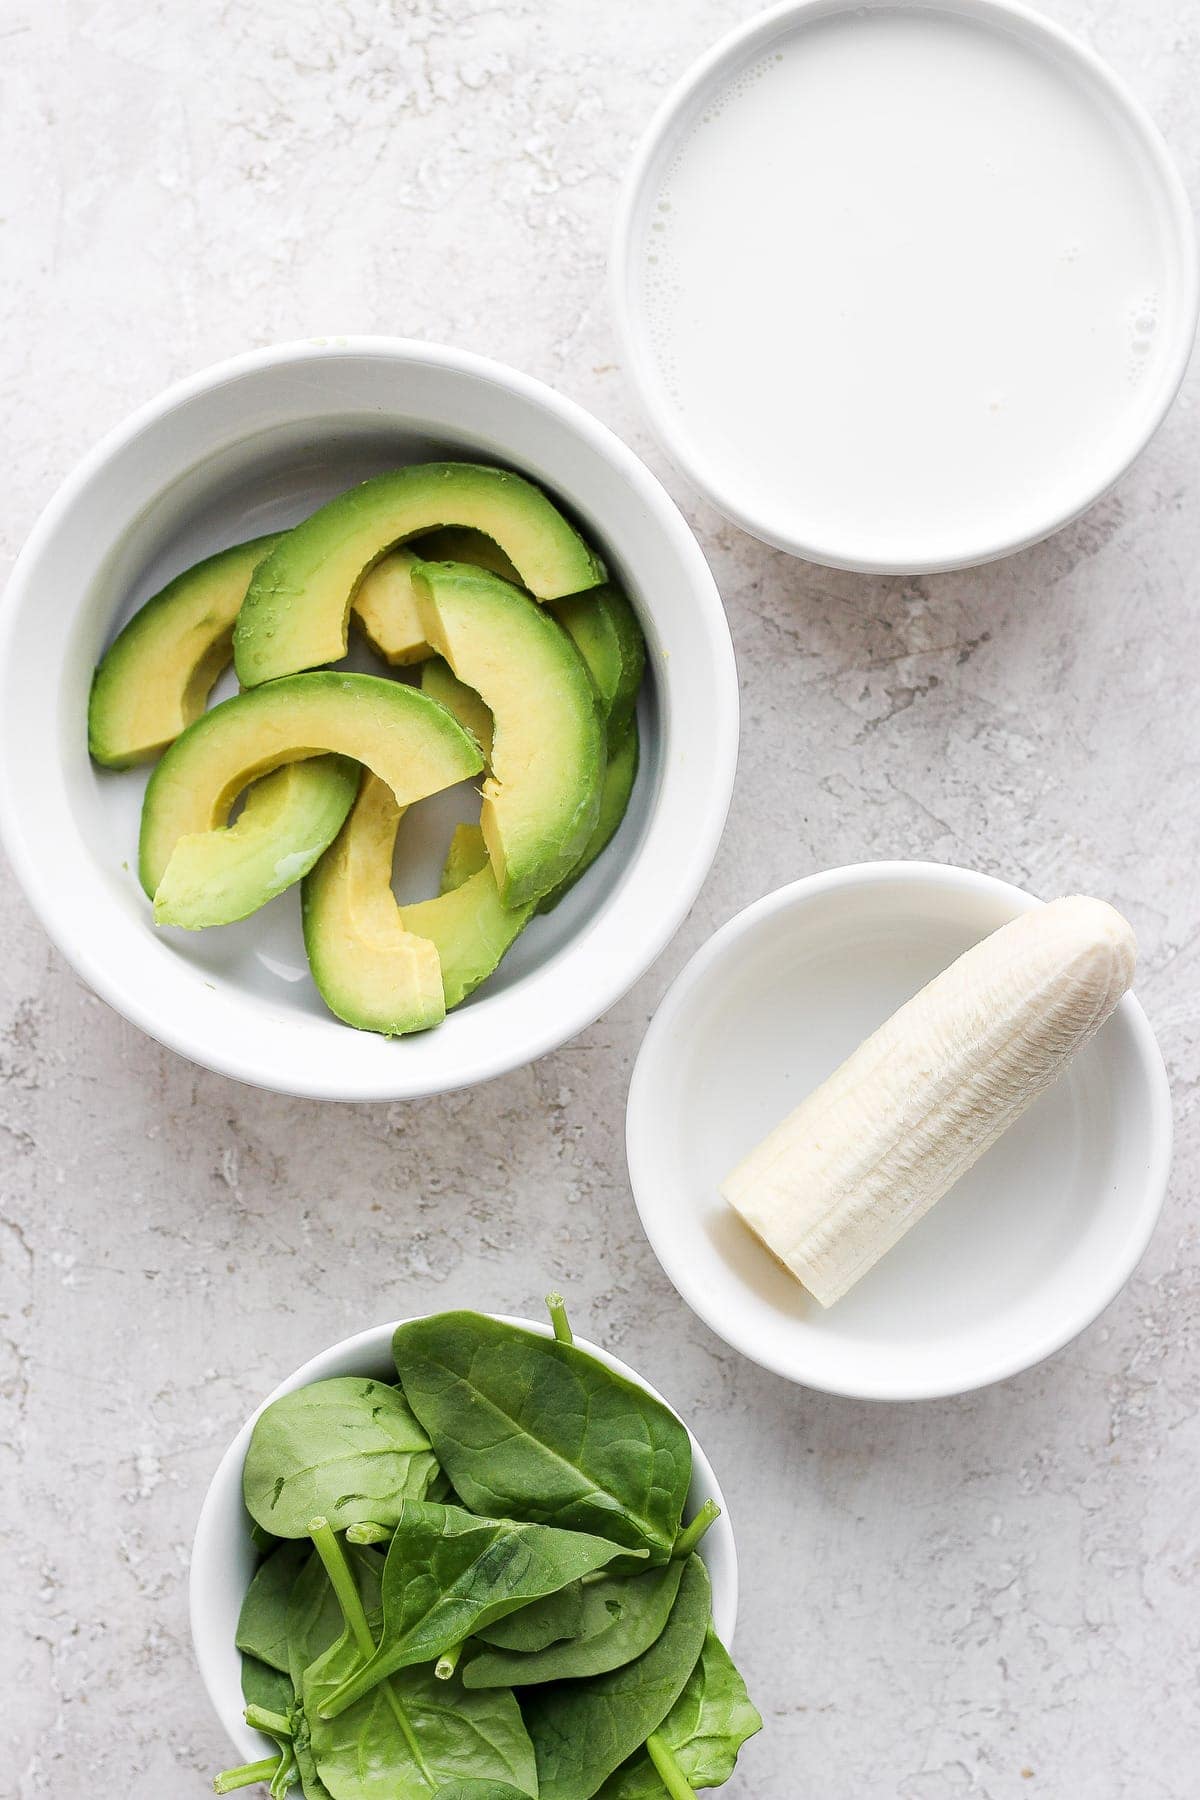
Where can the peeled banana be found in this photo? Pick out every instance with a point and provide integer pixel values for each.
(869, 1152)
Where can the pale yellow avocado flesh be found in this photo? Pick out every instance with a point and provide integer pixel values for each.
(296, 611)
(371, 971)
(386, 609)
(404, 737)
(541, 799)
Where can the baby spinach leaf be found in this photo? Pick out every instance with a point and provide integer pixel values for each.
(478, 1790)
(314, 1618)
(449, 1572)
(704, 1730)
(430, 1732)
(583, 1730)
(311, 1785)
(265, 1686)
(347, 1449)
(541, 1623)
(527, 1427)
(262, 1623)
(622, 1617)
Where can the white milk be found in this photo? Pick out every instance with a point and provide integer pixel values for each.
(902, 283)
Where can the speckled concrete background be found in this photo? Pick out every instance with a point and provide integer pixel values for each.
(995, 1596)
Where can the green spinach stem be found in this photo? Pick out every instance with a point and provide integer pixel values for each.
(273, 1723)
(341, 1577)
(368, 1534)
(285, 1775)
(669, 1771)
(446, 1665)
(247, 1775)
(558, 1318)
(691, 1534)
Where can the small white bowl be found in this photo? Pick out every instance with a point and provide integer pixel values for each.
(1018, 1258)
(252, 445)
(223, 1558)
(951, 378)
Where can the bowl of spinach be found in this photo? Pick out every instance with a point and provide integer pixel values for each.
(468, 1557)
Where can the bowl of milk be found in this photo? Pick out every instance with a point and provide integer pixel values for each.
(903, 286)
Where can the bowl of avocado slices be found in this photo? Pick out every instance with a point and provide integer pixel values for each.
(469, 1555)
(368, 719)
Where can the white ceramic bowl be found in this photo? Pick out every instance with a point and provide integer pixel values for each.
(223, 1558)
(791, 517)
(246, 447)
(1020, 1256)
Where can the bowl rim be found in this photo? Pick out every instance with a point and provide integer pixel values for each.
(375, 1342)
(639, 1125)
(689, 458)
(597, 981)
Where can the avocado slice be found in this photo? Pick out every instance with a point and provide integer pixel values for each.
(370, 969)
(466, 856)
(467, 921)
(606, 631)
(458, 543)
(619, 777)
(439, 681)
(297, 607)
(290, 817)
(157, 673)
(541, 799)
(390, 968)
(386, 609)
(385, 605)
(407, 739)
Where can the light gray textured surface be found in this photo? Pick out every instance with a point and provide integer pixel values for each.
(995, 1596)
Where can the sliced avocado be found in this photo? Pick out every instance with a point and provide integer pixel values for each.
(619, 778)
(371, 971)
(296, 610)
(385, 605)
(458, 543)
(541, 799)
(467, 922)
(386, 609)
(407, 739)
(606, 630)
(439, 681)
(466, 856)
(289, 818)
(156, 675)
(375, 962)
